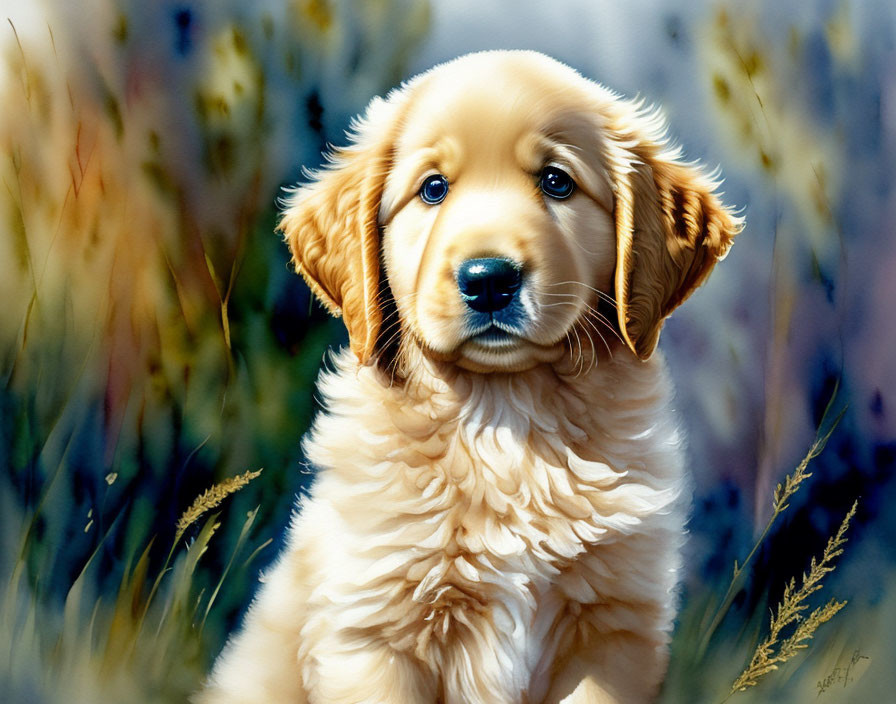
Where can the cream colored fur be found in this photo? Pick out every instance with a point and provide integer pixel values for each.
(488, 523)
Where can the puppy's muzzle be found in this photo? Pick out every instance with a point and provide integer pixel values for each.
(489, 285)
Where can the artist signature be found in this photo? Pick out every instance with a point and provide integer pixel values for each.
(841, 675)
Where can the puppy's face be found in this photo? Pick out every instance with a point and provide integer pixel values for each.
(497, 199)
(497, 215)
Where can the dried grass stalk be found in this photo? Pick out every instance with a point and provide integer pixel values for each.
(775, 650)
(211, 498)
(783, 492)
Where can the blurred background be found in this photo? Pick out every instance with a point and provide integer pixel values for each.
(154, 342)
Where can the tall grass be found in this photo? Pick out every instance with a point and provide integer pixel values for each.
(152, 337)
(703, 652)
(737, 639)
(784, 492)
(777, 648)
(143, 643)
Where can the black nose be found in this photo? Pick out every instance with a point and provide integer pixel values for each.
(488, 285)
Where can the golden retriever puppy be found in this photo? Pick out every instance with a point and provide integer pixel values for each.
(498, 513)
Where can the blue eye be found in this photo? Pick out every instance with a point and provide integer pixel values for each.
(434, 189)
(556, 183)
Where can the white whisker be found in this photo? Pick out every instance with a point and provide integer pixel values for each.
(602, 294)
(597, 332)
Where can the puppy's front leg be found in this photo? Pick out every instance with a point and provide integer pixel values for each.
(345, 669)
(618, 668)
(260, 664)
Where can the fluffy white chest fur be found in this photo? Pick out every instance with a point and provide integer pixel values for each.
(466, 532)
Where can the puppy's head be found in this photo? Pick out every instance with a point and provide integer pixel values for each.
(499, 202)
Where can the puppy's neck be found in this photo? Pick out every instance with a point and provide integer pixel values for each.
(568, 389)
(418, 370)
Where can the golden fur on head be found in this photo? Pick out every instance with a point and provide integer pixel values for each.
(503, 526)
(644, 228)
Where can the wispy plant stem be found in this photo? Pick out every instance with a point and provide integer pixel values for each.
(767, 657)
(783, 493)
(206, 501)
(211, 498)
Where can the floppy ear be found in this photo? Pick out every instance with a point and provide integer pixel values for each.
(331, 227)
(671, 227)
